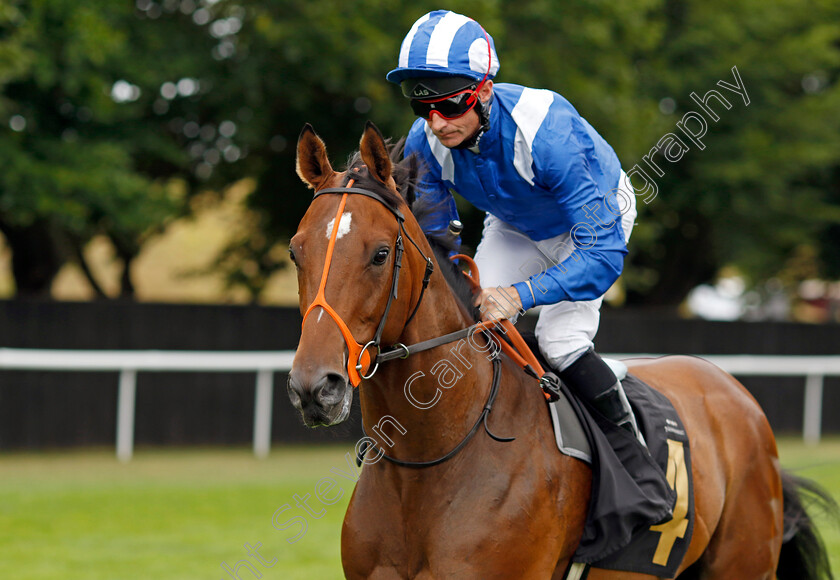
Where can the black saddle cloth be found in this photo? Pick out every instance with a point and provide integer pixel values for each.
(631, 491)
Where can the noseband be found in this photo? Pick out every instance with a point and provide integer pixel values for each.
(358, 353)
(359, 361)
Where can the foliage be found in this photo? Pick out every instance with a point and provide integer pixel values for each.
(765, 183)
(85, 151)
(225, 87)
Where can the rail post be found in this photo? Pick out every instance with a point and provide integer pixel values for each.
(262, 412)
(812, 414)
(126, 400)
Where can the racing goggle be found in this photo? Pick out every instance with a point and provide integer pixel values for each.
(449, 107)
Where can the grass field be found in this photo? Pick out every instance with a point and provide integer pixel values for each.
(183, 514)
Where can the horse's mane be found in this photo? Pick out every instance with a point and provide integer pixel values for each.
(406, 173)
(454, 277)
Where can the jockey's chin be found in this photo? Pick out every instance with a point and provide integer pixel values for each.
(450, 140)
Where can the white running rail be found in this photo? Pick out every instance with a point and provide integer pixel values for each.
(129, 363)
(265, 364)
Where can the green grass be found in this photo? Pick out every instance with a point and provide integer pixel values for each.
(166, 514)
(821, 464)
(178, 514)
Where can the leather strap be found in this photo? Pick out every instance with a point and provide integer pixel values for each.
(482, 418)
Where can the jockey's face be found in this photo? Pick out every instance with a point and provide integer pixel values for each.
(452, 132)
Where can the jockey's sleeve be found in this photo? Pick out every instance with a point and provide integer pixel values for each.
(440, 205)
(596, 239)
(431, 192)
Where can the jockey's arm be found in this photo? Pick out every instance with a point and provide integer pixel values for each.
(596, 237)
(431, 193)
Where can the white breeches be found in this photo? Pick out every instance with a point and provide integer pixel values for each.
(505, 256)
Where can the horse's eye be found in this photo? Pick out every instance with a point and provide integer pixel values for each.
(381, 256)
(292, 255)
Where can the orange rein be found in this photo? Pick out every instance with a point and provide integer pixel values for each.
(358, 358)
(519, 350)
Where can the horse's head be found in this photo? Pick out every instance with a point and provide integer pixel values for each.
(349, 250)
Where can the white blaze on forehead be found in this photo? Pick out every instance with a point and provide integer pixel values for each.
(343, 225)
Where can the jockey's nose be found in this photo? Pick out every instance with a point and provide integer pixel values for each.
(436, 122)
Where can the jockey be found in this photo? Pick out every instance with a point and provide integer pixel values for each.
(559, 208)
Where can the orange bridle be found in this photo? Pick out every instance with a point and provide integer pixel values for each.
(359, 360)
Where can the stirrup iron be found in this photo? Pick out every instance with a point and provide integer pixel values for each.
(613, 404)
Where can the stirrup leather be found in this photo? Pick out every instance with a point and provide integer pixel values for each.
(613, 404)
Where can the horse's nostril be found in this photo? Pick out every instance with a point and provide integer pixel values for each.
(330, 389)
(294, 391)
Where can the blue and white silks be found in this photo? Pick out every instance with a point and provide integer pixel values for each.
(563, 178)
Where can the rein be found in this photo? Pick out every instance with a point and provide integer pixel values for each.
(359, 361)
(482, 418)
(516, 349)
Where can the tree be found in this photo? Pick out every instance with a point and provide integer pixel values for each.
(759, 182)
(295, 62)
(113, 115)
(90, 146)
(760, 186)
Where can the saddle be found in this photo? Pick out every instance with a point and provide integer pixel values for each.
(641, 511)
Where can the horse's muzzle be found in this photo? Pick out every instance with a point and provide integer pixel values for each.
(322, 401)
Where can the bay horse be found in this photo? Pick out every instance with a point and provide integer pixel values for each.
(439, 500)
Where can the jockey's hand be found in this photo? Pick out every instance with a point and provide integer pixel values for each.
(498, 303)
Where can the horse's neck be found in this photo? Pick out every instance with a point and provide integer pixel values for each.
(425, 405)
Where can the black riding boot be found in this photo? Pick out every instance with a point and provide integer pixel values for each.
(591, 378)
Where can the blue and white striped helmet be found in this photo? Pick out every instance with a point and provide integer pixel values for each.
(443, 43)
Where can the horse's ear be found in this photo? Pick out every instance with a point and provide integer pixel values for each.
(312, 164)
(375, 153)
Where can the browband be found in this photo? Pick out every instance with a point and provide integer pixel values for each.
(371, 194)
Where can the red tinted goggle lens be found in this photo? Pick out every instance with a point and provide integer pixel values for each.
(450, 107)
